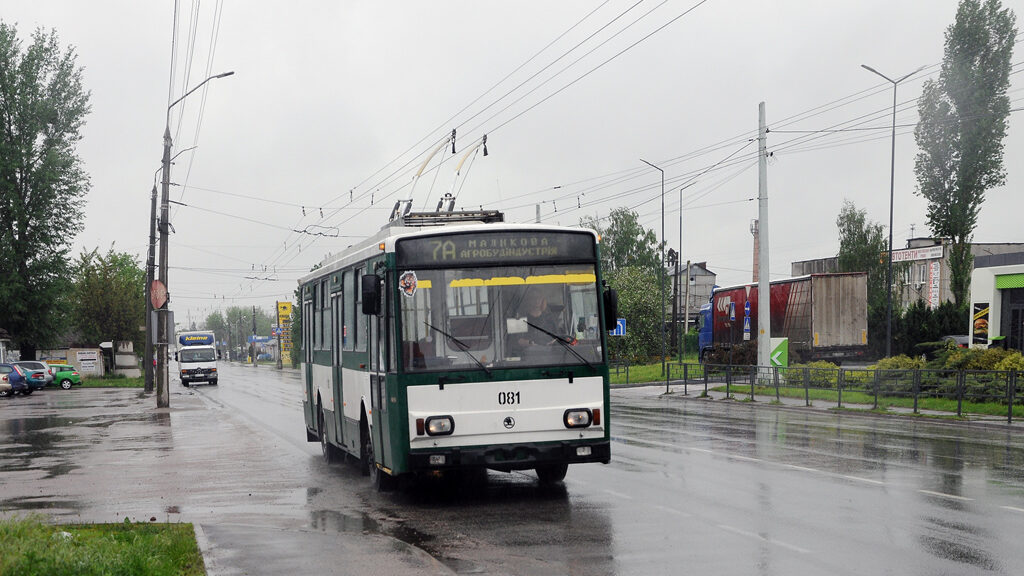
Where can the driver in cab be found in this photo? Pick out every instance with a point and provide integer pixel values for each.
(542, 322)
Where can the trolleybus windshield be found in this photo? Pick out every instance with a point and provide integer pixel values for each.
(516, 316)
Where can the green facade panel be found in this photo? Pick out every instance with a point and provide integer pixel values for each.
(1007, 281)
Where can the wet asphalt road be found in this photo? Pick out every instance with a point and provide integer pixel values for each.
(695, 486)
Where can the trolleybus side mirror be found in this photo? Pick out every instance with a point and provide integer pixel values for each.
(611, 308)
(175, 356)
(370, 285)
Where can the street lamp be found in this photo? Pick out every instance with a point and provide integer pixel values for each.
(163, 399)
(892, 186)
(661, 323)
(686, 313)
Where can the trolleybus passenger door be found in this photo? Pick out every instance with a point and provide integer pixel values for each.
(377, 350)
(337, 326)
(307, 359)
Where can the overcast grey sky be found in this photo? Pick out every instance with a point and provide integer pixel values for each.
(327, 95)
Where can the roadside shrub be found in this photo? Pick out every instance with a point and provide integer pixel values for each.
(821, 373)
(901, 362)
(986, 359)
(1012, 361)
(930, 350)
(743, 354)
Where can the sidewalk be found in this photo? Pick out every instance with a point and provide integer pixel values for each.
(260, 503)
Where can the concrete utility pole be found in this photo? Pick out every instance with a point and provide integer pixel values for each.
(163, 398)
(147, 353)
(764, 317)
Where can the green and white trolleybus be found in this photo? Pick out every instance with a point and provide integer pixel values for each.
(455, 341)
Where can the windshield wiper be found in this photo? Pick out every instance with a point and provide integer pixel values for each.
(566, 343)
(460, 344)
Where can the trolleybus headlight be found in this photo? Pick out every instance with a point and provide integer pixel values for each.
(577, 418)
(439, 425)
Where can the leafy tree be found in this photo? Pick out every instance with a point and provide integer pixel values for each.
(109, 298)
(641, 307)
(215, 321)
(863, 247)
(236, 326)
(625, 242)
(42, 111)
(963, 123)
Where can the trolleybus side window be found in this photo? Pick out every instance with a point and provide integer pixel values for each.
(360, 335)
(349, 294)
(311, 317)
(325, 314)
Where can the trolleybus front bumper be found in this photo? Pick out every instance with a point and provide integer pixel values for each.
(508, 457)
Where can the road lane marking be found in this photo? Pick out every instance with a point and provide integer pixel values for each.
(672, 511)
(750, 459)
(859, 479)
(755, 536)
(619, 494)
(1013, 508)
(950, 496)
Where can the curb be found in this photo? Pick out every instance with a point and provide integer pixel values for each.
(205, 550)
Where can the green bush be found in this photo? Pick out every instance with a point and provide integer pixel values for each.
(975, 358)
(1012, 361)
(930, 350)
(821, 373)
(901, 362)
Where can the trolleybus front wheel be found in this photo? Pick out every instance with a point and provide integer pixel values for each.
(329, 453)
(551, 473)
(380, 479)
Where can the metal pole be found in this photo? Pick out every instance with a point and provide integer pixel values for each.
(679, 257)
(253, 346)
(892, 193)
(147, 353)
(661, 275)
(892, 189)
(686, 309)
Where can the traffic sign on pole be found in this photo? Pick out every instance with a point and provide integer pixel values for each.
(620, 328)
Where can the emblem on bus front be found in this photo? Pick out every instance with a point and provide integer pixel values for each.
(509, 422)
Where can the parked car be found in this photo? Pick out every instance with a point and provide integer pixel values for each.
(37, 365)
(961, 341)
(65, 376)
(15, 378)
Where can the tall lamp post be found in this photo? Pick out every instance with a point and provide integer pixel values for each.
(679, 258)
(892, 186)
(661, 323)
(163, 398)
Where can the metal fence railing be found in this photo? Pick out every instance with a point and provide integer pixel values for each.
(993, 392)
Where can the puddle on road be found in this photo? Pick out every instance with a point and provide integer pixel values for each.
(334, 521)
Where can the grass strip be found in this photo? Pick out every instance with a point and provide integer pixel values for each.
(33, 547)
(113, 382)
